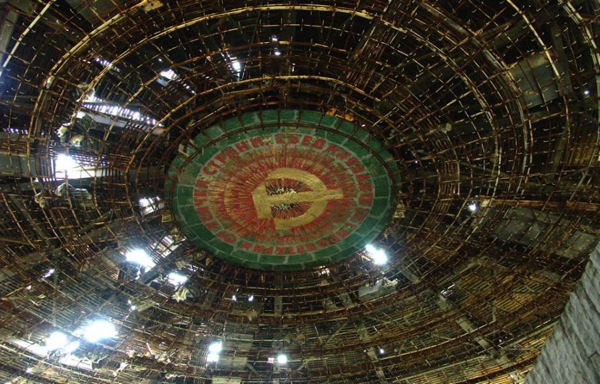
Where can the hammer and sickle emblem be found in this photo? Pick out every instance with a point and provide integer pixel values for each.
(318, 197)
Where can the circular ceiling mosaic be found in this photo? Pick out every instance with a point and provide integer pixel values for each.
(283, 190)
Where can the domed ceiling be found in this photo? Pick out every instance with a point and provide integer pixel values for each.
(380, 192)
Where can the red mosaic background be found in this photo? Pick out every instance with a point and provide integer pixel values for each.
(224, 202)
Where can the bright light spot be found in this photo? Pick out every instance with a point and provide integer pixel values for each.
(29, 370)
(168, 74)
(274, 38)
(91, 97)
(102, 62)
(176, 278)
(80, 114)
(149, 204)
(282, 359)
(65, 163)
(473, 207)
(56, 340)
(99, 330)
(48, 273)
(100, 105)
(251, 298)
(376, 254)
(236, 65)
(105, 63)
(586, 92)
(277, 52)
(140, 257)
(213, 351)
(131, 306)
(234, 298)
(167, 240)
(71, 347)
(212, 358)
(381, 351)
(448, 291)
(144, 202)
(215, 347)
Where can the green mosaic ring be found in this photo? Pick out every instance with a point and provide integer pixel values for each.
(285, 190)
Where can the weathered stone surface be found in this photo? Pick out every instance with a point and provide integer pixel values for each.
(572, 353)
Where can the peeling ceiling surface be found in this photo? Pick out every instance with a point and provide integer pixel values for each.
(392, 191)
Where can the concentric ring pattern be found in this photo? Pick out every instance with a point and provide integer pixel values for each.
(283, 191)
(477, 125)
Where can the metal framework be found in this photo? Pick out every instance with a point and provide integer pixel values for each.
(490, 109)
